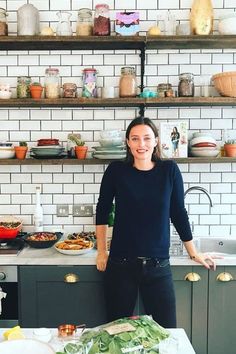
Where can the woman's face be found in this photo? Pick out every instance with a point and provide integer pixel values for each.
(142, 142)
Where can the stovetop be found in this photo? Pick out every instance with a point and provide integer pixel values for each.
(12, 246)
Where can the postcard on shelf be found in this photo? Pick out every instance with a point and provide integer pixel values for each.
(173, 139)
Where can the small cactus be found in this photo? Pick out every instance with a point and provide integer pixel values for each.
(22, 143)
(76, 139)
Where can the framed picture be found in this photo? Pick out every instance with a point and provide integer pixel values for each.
(173, 140)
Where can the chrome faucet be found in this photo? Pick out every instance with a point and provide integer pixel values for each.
(201, 189)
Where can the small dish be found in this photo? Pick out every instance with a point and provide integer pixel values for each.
(7, 152)
(5, 95)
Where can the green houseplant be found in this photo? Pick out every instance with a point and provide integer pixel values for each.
(21, 150)
(80, 148)
(36, 90)
(230, 148)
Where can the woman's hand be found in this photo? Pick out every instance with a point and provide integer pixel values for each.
(205, 259)
(101, 260)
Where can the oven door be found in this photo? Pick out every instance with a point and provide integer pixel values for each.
(9, 304)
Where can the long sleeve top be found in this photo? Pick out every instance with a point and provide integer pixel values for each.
(145, 201)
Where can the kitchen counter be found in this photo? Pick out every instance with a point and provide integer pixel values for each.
(49, 256)
(184, 343)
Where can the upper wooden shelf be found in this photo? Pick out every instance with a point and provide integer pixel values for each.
(116, 42)
(119, 102)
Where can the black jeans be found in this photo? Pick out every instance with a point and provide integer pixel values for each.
(151, 277)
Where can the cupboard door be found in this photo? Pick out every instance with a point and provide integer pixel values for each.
(222, 311)
(47, 300)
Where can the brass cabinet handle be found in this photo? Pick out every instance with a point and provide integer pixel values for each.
(224, 277)
(71, 278)
(192, 277)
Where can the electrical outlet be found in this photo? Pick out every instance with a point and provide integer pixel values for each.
(62, 210)
(82, 210)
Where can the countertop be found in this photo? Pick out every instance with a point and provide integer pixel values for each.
(179, 333)
(49, 256)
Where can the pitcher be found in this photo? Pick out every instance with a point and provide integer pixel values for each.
(64, 26)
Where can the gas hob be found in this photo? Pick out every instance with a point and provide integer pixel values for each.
(11, 246)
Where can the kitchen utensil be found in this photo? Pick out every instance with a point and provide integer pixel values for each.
(66, 330)
(9, 226)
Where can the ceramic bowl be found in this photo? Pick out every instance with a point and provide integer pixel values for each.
(107, 134)
(25, 346)
(7, 152)
(227, 24)
(225, 83)
(202, 139)
(39, 242)
(204, 152)
(5, 95)
(111, 142)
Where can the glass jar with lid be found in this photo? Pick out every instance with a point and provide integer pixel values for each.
(84, 25)
(69, 90)
(52, 83)
(89, 83)
(186, 85)
(23, 86)
(165, 90)
(128, 84)
(102, 24)
(3, 22)
(27, 20)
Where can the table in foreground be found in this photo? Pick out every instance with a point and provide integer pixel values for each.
(57, 344)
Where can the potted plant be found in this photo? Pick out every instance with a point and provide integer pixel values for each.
(80, 148)
(36, 90)
(21, 150)
(230, 148)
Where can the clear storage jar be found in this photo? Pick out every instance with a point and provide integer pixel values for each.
(27, 20)
(89, 83)
(102, 24)
(84, 25)
(52, 83)
(186, 85)
(23, 86)
(3, 22)
(127, 84)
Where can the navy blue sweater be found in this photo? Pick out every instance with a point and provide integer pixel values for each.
(145, 201)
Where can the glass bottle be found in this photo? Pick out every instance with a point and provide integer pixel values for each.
(64, 26)
(201, 17)
(23, 86)
(3, 22)
(89, 83)
(27, 20)
(38, 212)
(84, 25)
(186, 85)
(102, 24)
(127, 84)
(52, 83)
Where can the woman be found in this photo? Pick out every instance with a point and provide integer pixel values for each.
(148, 192)
(175, 136)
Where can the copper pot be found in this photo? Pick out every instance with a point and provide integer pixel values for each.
(66, 330)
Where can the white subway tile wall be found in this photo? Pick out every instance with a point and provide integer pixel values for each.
(71, 184)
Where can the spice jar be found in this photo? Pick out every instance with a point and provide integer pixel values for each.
(186, 85)
(165, 90)
(69, 90)
(89, 83)
(52, 83)
(23, 86)
(84, 25)
(102, 25)
(127, 85)
(27, 20)
(3, 22)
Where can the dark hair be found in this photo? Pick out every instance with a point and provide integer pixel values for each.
(141, 121)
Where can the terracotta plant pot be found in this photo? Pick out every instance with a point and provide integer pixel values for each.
(230, 150)
(20, 152)
(81, 152)
(36, 91)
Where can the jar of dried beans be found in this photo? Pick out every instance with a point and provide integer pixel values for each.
(84, 25)
(3, 22)
(52, 83)
(127, 85)
(102, 25)
(186, 85)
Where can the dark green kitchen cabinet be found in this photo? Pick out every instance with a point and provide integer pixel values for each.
(48, 298)
(222, 311)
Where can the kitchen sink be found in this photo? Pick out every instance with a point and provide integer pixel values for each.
(223, 245)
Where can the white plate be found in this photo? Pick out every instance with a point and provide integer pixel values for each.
(73, 252)
(25, 346)
(109, 156)
(110, 152)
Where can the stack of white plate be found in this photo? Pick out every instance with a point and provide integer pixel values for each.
(203, 145)
(111, 145)
(48, 151)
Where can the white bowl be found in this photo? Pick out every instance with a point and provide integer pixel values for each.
(227, 24)
(5, 95)
(204, 153)
(7, 152)
(107, 134)
(111, 142)
(25, 346)
(43, 334)
(202, 139)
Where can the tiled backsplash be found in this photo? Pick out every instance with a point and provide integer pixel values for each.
(71, 184)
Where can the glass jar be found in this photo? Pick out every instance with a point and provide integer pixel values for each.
(127, 85)
(102, 24)
(3, 22)
(52, 83)
(69, 90)
(64, 27)
(186, 85)
(23, 86)
(27, 20)
(89, 83)
(84, 25)
(165, 90)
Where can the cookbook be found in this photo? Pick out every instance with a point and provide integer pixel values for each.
(173, 140)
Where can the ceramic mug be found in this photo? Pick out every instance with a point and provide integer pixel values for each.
(108, 92)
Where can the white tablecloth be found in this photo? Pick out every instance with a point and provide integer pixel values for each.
(58, 344)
